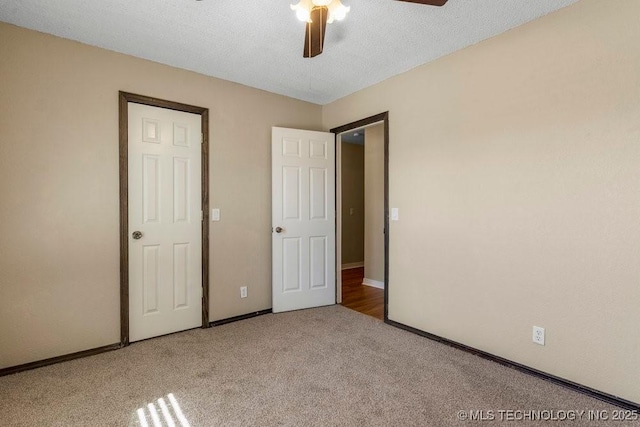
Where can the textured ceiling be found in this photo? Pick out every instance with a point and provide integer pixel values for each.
(259, 42)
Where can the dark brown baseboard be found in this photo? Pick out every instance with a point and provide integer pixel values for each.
(605, 397)
(241, 317)
(40, 363)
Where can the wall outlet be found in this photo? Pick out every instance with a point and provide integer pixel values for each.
(243, 292)
(538, 335)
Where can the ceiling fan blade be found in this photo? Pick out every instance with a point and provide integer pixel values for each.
(427, 2)
(314, 34)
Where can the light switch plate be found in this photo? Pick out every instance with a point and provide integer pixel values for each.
(395, 214)
(215, 214)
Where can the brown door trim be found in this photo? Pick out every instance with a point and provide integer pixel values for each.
(382, 117)
(124, 100)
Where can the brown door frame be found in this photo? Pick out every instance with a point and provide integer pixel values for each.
(125, 98)
(384, 118)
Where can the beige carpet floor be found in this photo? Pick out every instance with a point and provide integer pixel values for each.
(321, 367)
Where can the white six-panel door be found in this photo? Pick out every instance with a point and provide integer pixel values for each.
(303, 219)
(165, 259)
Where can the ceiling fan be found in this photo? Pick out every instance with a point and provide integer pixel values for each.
(316, 13)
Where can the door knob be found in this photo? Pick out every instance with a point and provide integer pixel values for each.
(137, 235)
(279, 229)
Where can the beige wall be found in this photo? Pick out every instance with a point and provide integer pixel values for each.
(515, 164)
(352, 166)
(374, 203)
(59, 263)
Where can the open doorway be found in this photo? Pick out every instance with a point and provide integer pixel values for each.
(362, 151)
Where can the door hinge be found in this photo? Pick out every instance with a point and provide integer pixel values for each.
(201, 216)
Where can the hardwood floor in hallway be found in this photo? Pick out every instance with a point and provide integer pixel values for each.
(359, 297)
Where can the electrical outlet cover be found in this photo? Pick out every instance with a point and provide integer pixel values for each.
(538, 335)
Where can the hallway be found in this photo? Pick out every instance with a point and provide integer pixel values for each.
(359, 297)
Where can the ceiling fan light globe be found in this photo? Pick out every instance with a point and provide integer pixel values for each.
(321, 2)
(303, 10)
(337, 11)
(303, 15)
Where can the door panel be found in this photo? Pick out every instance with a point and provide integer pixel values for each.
(181, 195)
(303, 193)
(318, 197)
(291, 259)
(150, 278)
(150, 188)
(291, 193)
(181, 275)
(318, 259)
(165, 263)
